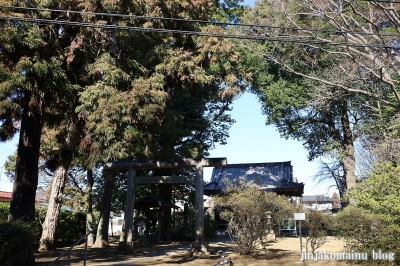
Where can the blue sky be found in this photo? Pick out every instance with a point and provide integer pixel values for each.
(251, 141)
(6, 148)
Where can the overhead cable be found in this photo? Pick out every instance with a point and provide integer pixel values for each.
(335, 32)
(197, 33)
(303, 40)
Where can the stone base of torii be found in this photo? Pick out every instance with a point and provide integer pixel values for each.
(127, 235)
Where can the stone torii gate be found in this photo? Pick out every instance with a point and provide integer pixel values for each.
(132, 166)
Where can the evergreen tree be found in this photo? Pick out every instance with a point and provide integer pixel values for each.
(160, 95)
(289, 78)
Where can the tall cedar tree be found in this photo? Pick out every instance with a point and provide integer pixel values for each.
(160, 95)
(63, 135)
(33, 82)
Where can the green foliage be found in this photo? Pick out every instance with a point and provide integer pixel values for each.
(364, 232)
(4, 209)
(210, 225)
(116, 109)
(245, 207)
(39, 90)
(16, 242)
(380, 194)
(9, 166)
(163, 95)
(372, 222)
(71, 226)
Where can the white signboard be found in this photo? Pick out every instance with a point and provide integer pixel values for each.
(300, 216)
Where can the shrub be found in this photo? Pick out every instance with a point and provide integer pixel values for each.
(380, 194)
(245, 206)
(71, 226)
(364, 232)
(377, 199)
(210, 225)
(373, 220)
(14, 237)
(4, 209)
(367, 232)
(315, 228)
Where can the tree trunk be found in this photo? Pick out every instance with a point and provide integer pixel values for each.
(22, 205)
(348, 159)
(345, 140)
(348, 162)
(50, 223)
(102, 228)
(65, 156)
(89, 207)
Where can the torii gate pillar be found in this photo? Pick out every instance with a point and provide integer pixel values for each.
(199, 222)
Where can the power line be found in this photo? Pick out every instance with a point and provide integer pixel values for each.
(335, 32)
(302, 40)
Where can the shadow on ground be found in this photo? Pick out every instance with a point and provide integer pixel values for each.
(284, 251)
(173, 253)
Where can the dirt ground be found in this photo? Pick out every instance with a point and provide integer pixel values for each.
(285, 251)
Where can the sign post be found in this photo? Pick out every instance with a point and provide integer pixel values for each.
(300, 217)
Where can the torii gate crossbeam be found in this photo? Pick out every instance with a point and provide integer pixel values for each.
(167, 163)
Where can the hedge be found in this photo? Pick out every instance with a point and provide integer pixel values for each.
(71, 225)
(14, 237)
